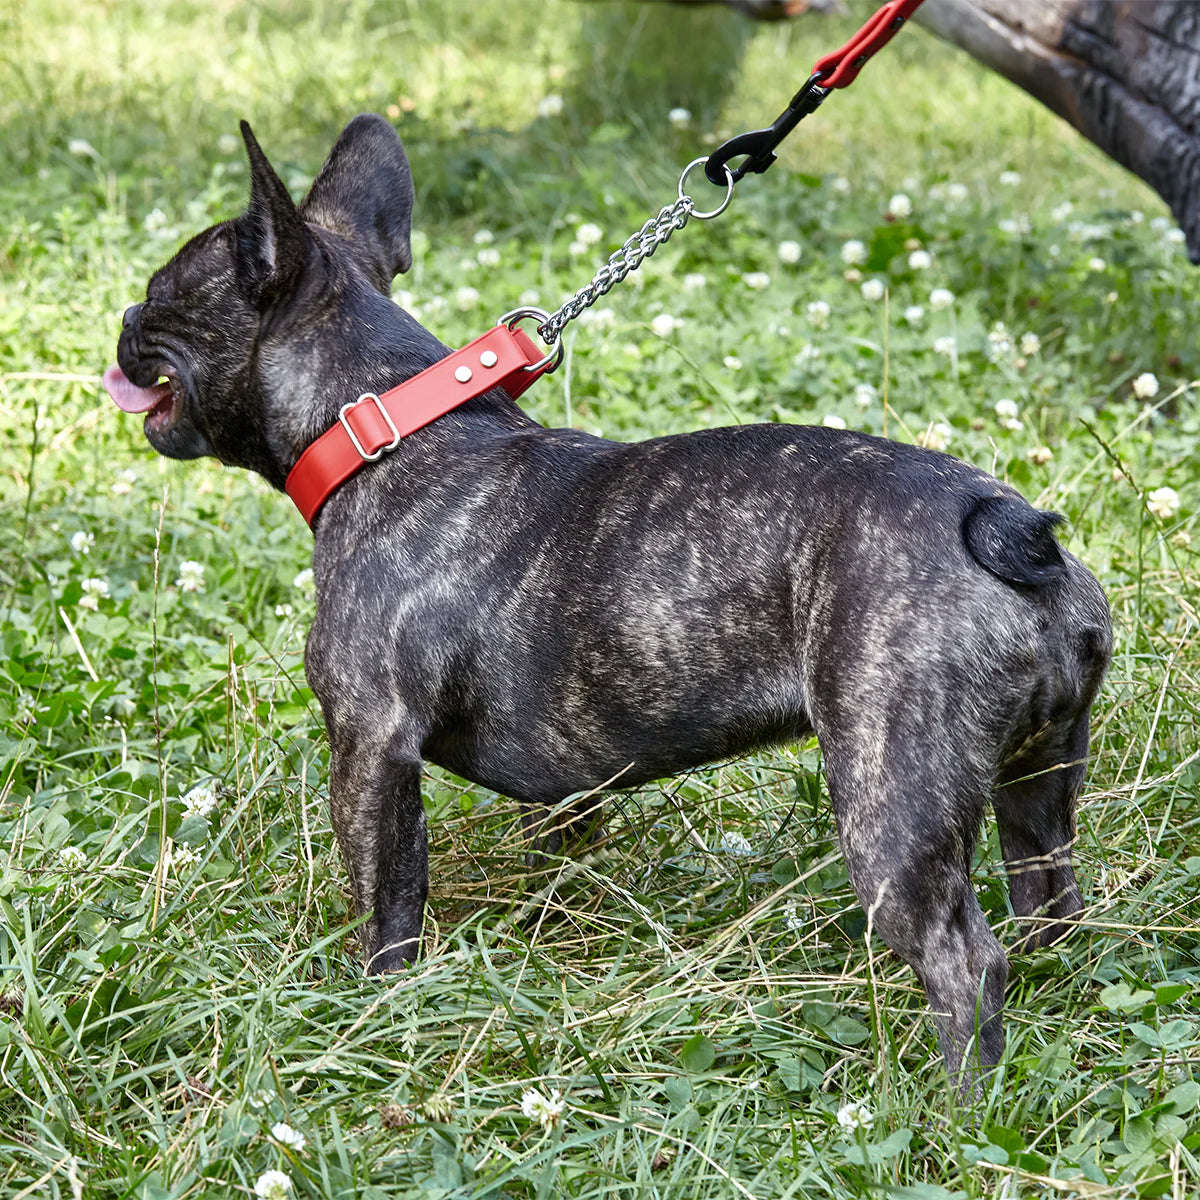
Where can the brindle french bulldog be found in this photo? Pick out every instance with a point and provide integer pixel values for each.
(541, 611)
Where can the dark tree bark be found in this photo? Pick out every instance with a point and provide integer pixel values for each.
(1125, 73)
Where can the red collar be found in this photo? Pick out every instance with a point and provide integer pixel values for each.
(373, 425)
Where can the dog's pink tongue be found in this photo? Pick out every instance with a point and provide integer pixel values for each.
(130, 398)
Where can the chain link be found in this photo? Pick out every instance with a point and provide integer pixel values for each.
(640, 246)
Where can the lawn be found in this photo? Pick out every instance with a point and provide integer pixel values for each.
(688, 1011)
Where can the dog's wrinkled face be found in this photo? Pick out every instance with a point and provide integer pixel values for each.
(195, 355)
(186, 342)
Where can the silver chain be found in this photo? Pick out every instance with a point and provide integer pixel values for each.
(635, 250)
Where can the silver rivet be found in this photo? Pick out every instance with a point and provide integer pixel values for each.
(488, 358)
(463, 374)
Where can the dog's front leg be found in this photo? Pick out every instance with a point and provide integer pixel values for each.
(379, 819)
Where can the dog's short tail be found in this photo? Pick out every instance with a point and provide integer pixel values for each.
(1014, 541)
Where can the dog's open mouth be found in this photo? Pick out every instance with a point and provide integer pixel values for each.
(160, 402)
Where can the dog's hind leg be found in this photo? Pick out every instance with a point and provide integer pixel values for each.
(1034, 802)
(552, 830)
(379, 819)
(908, 818)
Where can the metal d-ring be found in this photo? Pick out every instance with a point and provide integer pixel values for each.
(729, 182)
(541, 316)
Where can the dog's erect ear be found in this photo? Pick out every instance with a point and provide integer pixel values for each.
(272, 239)
(365, 193)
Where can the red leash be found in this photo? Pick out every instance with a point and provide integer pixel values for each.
(504, 357)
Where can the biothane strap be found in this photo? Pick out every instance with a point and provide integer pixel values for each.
(372, 425)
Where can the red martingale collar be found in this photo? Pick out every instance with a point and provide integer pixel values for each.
(374, 425)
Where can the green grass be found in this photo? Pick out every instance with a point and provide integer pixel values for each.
(171, 987)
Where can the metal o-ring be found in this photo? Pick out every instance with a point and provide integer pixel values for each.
(554, 355)
(729, 182)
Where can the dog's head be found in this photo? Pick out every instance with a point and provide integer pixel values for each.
(237, 329)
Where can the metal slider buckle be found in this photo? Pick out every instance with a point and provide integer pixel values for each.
(383, 412)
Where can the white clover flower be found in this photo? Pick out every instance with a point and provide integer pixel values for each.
(789, 252)
(489, 256)
(1014, 225)
(1136, 216)
(693, 281)
(1145, 386)
(550, 106)
(735, 844)
(282, 1132)
(920, 260)
(94, 590)
(529, 297)
(483, 237)
(1160, 224)
(1060, 212)
(199, 802)
(547, 1111)
(732, 362)
(81, 148)
(1175, 237)
(865, 395)
(758, 280)
(806, 354)
(191, 576)
(936, 436)
(284, 610)
(665, 324)
(833, 421)
(914, 314)
(180, 856)
(125, 481)
(227, 143)
(854, 1116)
(82, 542)
(1163, 502)
(957, 192)
(601, 318)
(1039, 455)
(1096, 263)
(999, 341)
(261, 1098)
(304, 581)
(1006, 409)
(940, 298)
(71, 858)
(1010, 178)
(818, 313)
(854, 253)
(852, 275)
(155, 220)
(840, 184)
(466, 297)
(589, 233)
(26, 711)
(681, 118)
(273, 1185)
(872, 289)
(576, 248)
(900, 206)
(1030, 344)
(792, 920)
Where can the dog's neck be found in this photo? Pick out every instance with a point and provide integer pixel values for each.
(381, 347)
